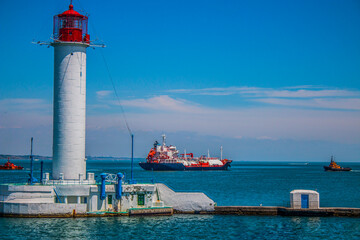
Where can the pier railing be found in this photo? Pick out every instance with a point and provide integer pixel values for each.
(68, 182)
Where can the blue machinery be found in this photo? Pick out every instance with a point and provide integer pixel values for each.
(102, 190)
(118, 186)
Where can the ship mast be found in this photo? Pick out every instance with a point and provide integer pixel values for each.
(164, 139)
(163, 142)
(221, 152)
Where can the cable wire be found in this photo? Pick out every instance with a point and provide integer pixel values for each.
(116, 94)
(111, 79)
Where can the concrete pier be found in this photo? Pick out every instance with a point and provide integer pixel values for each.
(283, 211)
(67, 198)
(219, 210)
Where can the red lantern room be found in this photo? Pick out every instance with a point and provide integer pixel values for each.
(71, 26)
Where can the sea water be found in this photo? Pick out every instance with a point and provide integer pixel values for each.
(246, 184)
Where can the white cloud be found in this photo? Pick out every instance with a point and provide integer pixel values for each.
(300, 119)
(24, 112)
(165, 103)
(325, 103)
(288, 92)
(24, 104)
(267, 122)
(298, 96)
(266, 138)
(103, 94)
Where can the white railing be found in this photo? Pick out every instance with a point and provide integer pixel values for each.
(68, 182)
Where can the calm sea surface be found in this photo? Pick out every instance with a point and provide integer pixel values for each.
(245, 183)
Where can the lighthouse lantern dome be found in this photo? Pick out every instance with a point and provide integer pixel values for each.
(71, 26)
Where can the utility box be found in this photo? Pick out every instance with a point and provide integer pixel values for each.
(304, 199)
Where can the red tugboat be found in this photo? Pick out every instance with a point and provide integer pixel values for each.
(335, 167)
(167, 158)
(10, 166)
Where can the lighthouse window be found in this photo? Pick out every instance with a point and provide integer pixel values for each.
(70, 33)
(110, 199)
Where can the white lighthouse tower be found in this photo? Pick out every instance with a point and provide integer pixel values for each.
(70, 42)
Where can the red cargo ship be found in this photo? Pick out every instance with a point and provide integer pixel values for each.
(167, 158)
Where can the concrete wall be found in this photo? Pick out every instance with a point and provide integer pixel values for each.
(130, 195)
(185, 201)
(41, 208)
(73, 190)
(26, 193)
(40, 199)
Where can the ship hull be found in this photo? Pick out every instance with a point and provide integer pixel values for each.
(180, 167)
(330, 169)
(8, 168)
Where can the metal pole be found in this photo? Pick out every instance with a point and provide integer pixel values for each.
(132, 156)
(31, 163)
(41, 171)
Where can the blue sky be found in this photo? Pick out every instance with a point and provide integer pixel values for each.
(268, 80)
